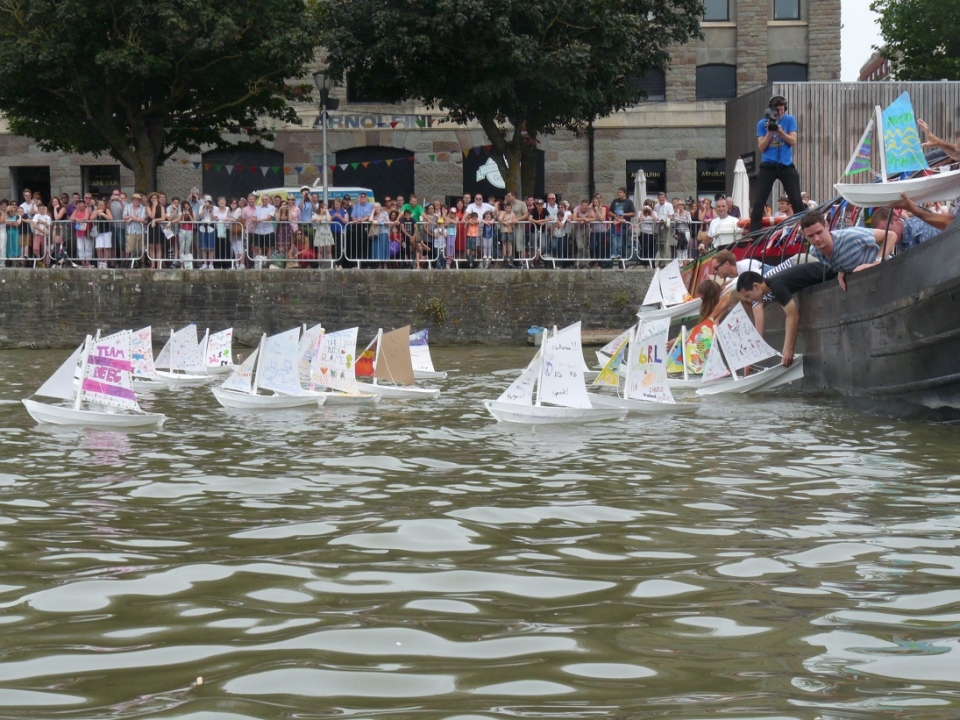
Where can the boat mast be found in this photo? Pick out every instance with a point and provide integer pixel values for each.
(256, 371)
(376, 354)
(83, 372)
(683, 350)
(881, 142)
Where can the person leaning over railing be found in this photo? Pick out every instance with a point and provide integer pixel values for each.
(12, 221)
(103, 232)
(185, 235)
(81, 216)
(322, 231)
(40, 224)
(682, 223)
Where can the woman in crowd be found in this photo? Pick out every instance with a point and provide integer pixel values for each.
(709, 293)
(284, 231)
(206, 233)
(560, 249)
(338, 221)
(58, 214)
(103, 229)
(156, 216)
(682, 222)
(598, 233)
(451, 225)
(11, 220)
(432, 231)
(222, 213)
(648, 236)
(264, 231)
(379, 234)
(460, 247)
(185, 234)
(81, 216)
(322, 232)
(706, 212)
(236, 232)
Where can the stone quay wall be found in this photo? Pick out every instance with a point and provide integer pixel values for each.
(57, 308)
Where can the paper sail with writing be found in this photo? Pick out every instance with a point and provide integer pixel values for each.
(610, 375)
(653, 296)
(365, 363)
(278, 364)
(107, 378)
(698, 345)
(141, 354)
(561, 381)
(306, 352)
(185, 353)
(520, 391)
(672, 288)
(715, 368)
(333, 366)
(611, 347)
(861, 159)
(901, 139)
(675, 356)
(420, 351)
(742, 344)
(647, 372)
(220, 349)
(241, 379)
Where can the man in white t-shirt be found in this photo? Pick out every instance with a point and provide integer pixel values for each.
(664, 211)
(723, 228)
(40, 223)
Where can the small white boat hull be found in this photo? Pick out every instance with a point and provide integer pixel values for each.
(680, 383)
(400, 392)
(643, 407)
(766, 379)
(691, 307)
(938, 186)
(63, 415)
(549, 414)
(175, 378)
(148, 384)
(341, 398)
(245, 401)
(429, 375)
(220, 369)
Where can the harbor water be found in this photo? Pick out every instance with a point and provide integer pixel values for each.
(779, 556)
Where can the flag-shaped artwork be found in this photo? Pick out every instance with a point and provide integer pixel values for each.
(610, 375)
(901, 139)
(648, 372)
(675, 356)
(364, 365)
(860, 161)
(698, 345)
(107, 377)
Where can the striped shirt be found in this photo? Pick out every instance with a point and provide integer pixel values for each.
(852, 247)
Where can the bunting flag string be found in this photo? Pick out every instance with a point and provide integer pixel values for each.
(266, 170)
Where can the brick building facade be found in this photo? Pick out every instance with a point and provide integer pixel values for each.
(677, 136)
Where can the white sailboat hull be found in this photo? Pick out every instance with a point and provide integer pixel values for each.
(246, 401)
(220, 369)
(766, 379)
(399, 392)
(549, 414)
(429, 375)
(691, 307)
(182, 378)
(334, 397)
(680, 383)
(939, 186)
(148, 384)
(643, 407)
(63, 415)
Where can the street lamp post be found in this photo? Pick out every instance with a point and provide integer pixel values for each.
(324, 85)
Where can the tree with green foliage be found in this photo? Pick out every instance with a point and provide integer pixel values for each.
(920, 38)
(520, 68)
(143, 79)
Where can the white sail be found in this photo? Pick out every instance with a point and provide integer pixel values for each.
(163, 358)
(278, 363)
(185, 353)
(742, 344)
(241, 379)
(672, 289)
(60, 384)
(647, 369)
(306, 351)
(520, 391)
(715, 368)
(333, 365)
(106, 380)
(653, 296)
(609, 376)
(611, 347)
(561, 381)
(141, 354)
(420, 352)
(219, 351)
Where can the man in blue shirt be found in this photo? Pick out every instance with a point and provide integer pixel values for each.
(843, 251)
(776, 136)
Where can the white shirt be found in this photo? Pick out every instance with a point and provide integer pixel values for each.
(727, 227)
(552, 210)
(480, 209)
(265, 216)
(663, 212)
(42, 224)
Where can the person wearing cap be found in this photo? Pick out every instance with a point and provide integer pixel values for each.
(776, 138)
(135, 217)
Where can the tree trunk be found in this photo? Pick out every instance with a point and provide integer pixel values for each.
(507, 153)
(145, 171)
(529, 167)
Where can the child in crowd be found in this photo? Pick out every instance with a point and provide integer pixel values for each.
(487, 239)
(473, 236)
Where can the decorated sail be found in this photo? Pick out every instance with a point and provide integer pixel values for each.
(675, 354)
(742, 344)
(278, 363)
(220, 349)
(307, 351)
(520, 391)
(393, 362)
(698, 345)
(861, 159)
(715, 368)
(333, 365)
(609, 376)
(672, 288)
(107, 377)
(901, 139)
(561, 381)
(653, 296)
(141, 354)
(420, 351)
(366, 361)
(611, 347)
(185, 351)
(60, 384)
(241, 379)
(647, 371)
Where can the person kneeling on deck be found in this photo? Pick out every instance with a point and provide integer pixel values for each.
(782, 287)
(844, 251)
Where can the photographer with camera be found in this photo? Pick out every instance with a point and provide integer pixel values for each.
(776, 136)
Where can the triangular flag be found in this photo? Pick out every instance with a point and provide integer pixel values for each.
(275, 169)
(264, 169)
(488, 148)
(333, 167)
(433, 158)
(393, 125)
(355, 165)
(476, 151)
(298, 168)
(344, 166)
(286, 170)
(253, 169)
(366, 164)
(217, 167)
(229, 169)
(465, 153)
(207, 166)
(420, 123)
(388, 162)
(196, 165)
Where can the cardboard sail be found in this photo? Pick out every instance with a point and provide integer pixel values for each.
(393, 359)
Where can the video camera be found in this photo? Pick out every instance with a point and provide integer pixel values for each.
(771, 115)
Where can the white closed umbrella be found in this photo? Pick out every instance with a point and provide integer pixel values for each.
(640, 188)
(741, 188)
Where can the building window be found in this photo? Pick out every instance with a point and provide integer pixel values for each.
(655, 173)
(716, 82)
(786, 9)
(711, 178)
(99, 180)
(653, 83)
(786, 72)
(35, 178)
(716, 10)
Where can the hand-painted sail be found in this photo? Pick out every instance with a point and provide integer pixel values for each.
(672, 288)
(520, 391)
(365, 363)
(141, 354)
(306, 352)
(698, 345)
(653, 296)
(611, 347)
(107, 377)
(715, 368)
(561, 381)
(333, 366)
(219, 349)
(647, 373)
(901, 139)
(185, 351)
(241, 379)
(742, 344)
(420, 351)
(278, 363)
(862, 156)
(609, 376)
